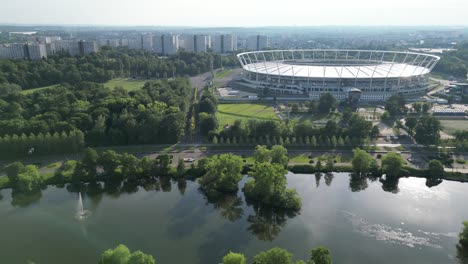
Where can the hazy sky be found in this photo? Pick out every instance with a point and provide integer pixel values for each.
(235, 12)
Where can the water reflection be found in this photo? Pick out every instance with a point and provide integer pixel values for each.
(22, 199)
(357, 182)
(229, 205)
(329, 178)
(266, 222)
(390, 184)
(318, 177)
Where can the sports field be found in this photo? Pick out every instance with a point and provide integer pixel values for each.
(451, 126)
(127, 83)
(228, 113)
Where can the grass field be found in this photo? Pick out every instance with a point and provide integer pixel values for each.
(38, 89)
(222, 74)
(450, 126)
(127, 83)
(229, 113)
(317, 119)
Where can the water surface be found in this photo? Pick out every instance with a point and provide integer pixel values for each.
(358, 220)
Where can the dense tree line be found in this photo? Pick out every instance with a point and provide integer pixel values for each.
(14, 146)
(454, 63)
(153, 114)
(106, 64)
(354, 131)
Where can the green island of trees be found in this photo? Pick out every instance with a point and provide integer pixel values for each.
(122, 255)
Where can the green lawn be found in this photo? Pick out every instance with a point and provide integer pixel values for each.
(37, 89)
(127, 83)
(222, 74)
(450, 126)
(316, 119)
(229, 113)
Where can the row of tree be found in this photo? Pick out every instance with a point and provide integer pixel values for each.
(312, 141)
(14, 146)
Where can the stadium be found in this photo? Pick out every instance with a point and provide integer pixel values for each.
(369, 75)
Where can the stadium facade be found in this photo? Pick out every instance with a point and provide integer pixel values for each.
(376, 74)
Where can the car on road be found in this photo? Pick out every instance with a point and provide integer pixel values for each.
(189, 159)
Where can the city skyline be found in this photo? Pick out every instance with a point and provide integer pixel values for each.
(210, 13)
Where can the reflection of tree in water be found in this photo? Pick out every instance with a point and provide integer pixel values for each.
(267, 222)
(166, 185)
(357, 182)
(318, 176)
(23, 199)
(230, 206)
(433, 182)
(329, 178)
(462, 254)
(390, 184)
(182, 186)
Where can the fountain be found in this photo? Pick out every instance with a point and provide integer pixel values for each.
(81, 213)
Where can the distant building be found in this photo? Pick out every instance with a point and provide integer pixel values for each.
(50, 49)
(224, 43)
(195, 43)
(35, 51)
(87, 47)
(257, 42)
(147, 42)
(170, 44)
(158, 44)
(70, 47)
(134, 43)
(12, 51)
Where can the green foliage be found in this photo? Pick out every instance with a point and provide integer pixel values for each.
(436, 169)
(14, 146)
(278, 154)
(261, 154)
(320, 255)
(180, 167)
(463, 236)
(223, 173)
(13, 170)
(273, 256)
(361, 161)
(392, 164)
(395, 105)
(29, 179)
(427, 130)
(234, 258)
(207, 123)
(268, 186)
(153, 114)
(121, 255)
(326, 102)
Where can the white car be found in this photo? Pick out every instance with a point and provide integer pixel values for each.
(189, 159)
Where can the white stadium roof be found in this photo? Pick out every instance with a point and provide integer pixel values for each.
(357, 64)
(384, 70)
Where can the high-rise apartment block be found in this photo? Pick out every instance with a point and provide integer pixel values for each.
(224, 43)
(257, 42)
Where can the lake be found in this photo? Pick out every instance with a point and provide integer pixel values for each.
(359, 220)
